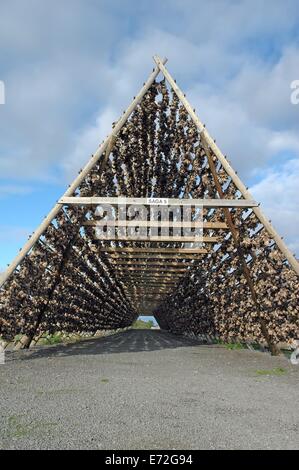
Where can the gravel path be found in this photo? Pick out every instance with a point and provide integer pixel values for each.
(147, 389)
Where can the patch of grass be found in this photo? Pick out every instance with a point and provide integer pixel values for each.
(56, 391)
(17, 338)
(277, 371)
(104, 381)
(17, 428)
(287, 353)
(141, 325)
(256, 346)
(55, 338)
(233, 346)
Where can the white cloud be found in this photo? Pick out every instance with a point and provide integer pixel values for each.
(68, 76)
(14, 190)
(60, 84)
(88, 140)
(279, 197)
(250, 114)
(252, 118)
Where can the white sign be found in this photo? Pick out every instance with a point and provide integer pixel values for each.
(157, 201)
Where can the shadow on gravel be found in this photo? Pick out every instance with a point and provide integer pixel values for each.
(125, 342)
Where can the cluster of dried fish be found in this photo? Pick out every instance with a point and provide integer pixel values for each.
(215, 298)
(66, 283)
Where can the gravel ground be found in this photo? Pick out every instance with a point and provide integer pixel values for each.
(147, 389)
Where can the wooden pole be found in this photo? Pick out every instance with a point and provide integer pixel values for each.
(23, 342)
(215, 149)
(63, 262)
(3, 345)
(94, 159)
(109, 148)
(36, 339)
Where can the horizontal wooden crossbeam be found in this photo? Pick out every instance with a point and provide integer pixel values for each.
(176, 251)
(149, 277)
(145, 263)
(170, 269)
(132, 284)
(145, 288)
(143, 294)
(141, 201)
(154, 298)
(146, 295)
(158, 257)
(132, 281)
(159, 239)
(153, 282)
(148, 292)
(143, 291)
(153, 223)
(129, 280)
(143, 298)
(158, 272)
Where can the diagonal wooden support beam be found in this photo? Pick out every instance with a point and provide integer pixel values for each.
(26, 340)
(110, 145)
(91, 163)
(227, 167)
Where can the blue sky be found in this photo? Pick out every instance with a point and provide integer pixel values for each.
(147, 318)
(70, 68)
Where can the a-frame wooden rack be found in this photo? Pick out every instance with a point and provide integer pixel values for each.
(106, 148)
(150, 267)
